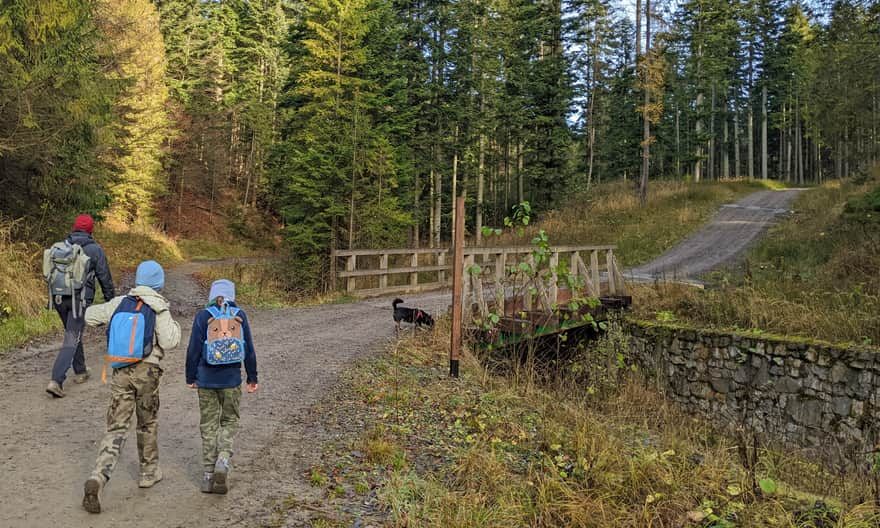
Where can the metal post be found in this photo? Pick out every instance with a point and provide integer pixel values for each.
(457, 272)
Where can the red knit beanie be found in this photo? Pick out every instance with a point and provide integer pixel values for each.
(84, 222)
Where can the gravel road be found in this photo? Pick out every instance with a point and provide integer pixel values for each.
(48, 446)
(724, 239)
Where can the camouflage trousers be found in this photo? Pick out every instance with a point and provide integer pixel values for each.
(133, 389)
(219, 422)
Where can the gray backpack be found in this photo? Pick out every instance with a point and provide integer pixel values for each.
(65, 268)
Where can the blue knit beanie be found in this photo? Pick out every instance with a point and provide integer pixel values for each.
(150, 273)
(222, 288)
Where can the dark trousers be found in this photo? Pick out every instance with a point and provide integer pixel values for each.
(71, 353)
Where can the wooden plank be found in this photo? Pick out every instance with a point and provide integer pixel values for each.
(392, 271)
(609, 264)
(554, 288)
(468, 251)
(618, 277)
(441, 261)
(395, 251)
(414, 276)
(350, 265)
(490, 250)
(466, 296)
(383, 265)
(457, 270)
(477, 285)
(500, 264)
(527, 294)
(594, 272)
(404, 288)
(592, 290)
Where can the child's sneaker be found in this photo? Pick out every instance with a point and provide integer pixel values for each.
(148, 480)
(208, 482)
(91, 489)
(221, 472)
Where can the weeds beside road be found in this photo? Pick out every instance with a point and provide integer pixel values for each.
(815, 275)
(598, 450)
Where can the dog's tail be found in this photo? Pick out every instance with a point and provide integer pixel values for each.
(396, 302)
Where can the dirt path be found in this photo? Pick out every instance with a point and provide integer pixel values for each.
(730, 232)
(47, 446)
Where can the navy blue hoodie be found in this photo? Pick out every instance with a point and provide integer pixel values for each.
(98, 266)
(208, 376)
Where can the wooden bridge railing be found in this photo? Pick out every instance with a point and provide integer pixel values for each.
(410, 270)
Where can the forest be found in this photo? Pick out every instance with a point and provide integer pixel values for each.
(353, 123)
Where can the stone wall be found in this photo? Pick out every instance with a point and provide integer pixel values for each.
(793, 394)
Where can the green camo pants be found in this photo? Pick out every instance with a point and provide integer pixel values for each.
(219, 422)
(133, 389)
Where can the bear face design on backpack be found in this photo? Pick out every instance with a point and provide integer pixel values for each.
(223, 343)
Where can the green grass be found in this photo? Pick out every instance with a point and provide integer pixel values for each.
(263, 285)
(17, 330)
(490, 451)
(610, 214)
(815, 274)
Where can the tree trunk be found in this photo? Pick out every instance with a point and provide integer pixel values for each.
(353, 175)
(699, 132)
(710, 164)
(478, 226)
(737, 146)
(725, 153)
(646, 136)
(438, 207)
(431, 196)
(638, 31)
(677, 141)
(764, 133)
(519, 172)
(751, 131)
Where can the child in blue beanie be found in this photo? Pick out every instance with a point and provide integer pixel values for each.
(220, 342)
(134, 388)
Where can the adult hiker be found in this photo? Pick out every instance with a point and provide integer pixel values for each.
(70, 268)
(141, 331)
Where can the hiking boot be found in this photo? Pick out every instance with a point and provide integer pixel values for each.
(221, 472)
(208, 483)
(148, 480)
(55, 389)
(92, 488)
(82, 377)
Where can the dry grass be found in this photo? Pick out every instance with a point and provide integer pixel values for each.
(23, 294)
(610, 214)
(23, 313)
(492, 451)
(814, 275)
(127, 246)
(268, 284)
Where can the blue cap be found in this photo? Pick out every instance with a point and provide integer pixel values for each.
(150, 273)
(222, 288)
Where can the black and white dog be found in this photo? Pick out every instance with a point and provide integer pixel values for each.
(411, 315)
